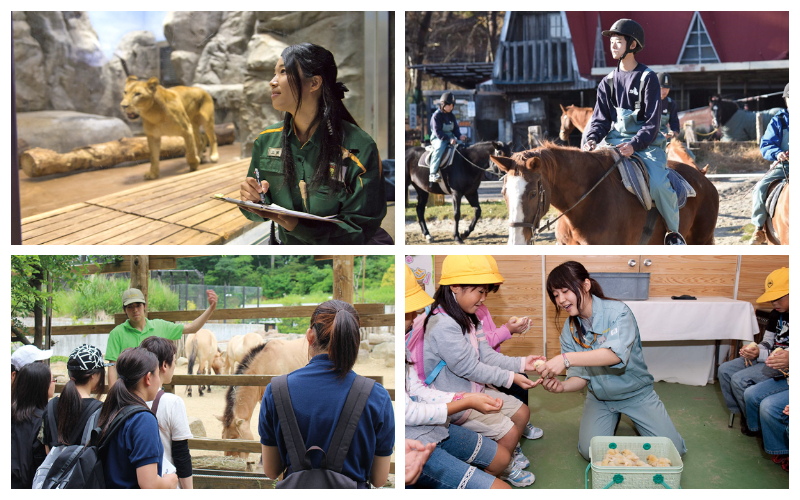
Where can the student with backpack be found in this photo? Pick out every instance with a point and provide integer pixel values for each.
(304, 409)
(34, 385)
(133, 455)
(461, 459)
(66, 417)
(457, 357)
(169, 409)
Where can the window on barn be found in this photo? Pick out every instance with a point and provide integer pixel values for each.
(541, 26)
(698, 48)
(599, 55)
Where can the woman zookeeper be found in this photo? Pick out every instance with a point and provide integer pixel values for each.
(601, 350)
(317, 160)
(628, 115)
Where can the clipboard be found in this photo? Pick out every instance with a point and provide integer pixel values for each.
(275, 209)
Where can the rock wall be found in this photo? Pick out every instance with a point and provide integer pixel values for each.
(59, 64)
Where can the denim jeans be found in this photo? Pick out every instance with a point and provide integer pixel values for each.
(755, 394)
(774, 424)
(439, 147)
(735, 377)
(760, 195)
(457, 461)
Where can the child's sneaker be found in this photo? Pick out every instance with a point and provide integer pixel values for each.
(532, 432)
(519, 478)
(520, 461)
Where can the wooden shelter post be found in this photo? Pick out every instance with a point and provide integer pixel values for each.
(140, 274)
(343, 278)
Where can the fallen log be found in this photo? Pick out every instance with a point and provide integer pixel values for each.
(38, 162)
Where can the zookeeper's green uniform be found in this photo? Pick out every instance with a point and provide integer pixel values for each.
(125, 335)
(362, 205)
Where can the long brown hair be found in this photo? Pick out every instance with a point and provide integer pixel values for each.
(133, 364)
(572, 275)
(338, 333)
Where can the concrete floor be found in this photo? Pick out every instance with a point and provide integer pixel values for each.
(717, 457)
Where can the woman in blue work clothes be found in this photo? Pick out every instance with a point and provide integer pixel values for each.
(601, 350)
(444, 131)
(628, 115)
(775, 148)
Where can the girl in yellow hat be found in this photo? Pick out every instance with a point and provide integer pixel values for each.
(461, 458)
(457, 357)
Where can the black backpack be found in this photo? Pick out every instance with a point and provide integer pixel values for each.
(80, 466)
(329, 475)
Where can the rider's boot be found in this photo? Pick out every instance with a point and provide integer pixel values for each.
(759, 237)
(435, 177)
(674, 238)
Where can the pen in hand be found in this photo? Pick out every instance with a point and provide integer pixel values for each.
(258, 179)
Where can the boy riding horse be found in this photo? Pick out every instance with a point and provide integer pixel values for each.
(775, 148)
(444, 129)
(628, 115)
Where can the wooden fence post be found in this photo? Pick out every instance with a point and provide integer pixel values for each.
(534, 136)
(140, 274)
(690, 136)
(759, 127)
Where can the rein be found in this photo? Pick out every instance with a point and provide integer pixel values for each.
(476, 166)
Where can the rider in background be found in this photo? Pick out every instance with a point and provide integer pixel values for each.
(775, 148)
(670, 123)
(444, 128)
(628, 115)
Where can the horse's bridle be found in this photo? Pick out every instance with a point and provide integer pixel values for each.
(489, 170)
(537, 217)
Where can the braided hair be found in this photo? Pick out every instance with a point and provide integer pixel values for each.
(313, 60)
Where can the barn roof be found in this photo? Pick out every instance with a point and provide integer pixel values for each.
(466, 75)
(738, 37)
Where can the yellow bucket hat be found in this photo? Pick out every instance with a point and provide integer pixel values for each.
(776, 285)
(495, 269)
(416, 296)
(467, 270)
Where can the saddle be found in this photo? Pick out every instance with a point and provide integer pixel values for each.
(447, 159)
(637, 181)
(774, 192)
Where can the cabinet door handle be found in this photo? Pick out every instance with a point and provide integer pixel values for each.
(632, 263)
(648, 262)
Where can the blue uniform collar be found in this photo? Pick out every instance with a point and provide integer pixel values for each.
(597, 312)
(320, 358)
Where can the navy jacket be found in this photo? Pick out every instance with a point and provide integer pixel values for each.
(438, 120)
(626, 93)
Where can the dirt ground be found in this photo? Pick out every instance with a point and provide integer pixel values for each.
(734, 215)
(205, 408)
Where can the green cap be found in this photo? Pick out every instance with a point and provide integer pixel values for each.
(132, 295)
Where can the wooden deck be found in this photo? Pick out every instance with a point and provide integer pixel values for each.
(174, 211)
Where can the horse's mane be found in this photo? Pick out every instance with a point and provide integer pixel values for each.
(230, 396)
(548, 150)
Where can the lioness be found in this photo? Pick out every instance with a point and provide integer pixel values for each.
(176, 111)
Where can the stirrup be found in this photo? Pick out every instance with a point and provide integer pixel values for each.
(674, 238)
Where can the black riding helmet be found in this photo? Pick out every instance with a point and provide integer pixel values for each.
(447, 98)
(630, 29)
(786, 91)
(665, 80)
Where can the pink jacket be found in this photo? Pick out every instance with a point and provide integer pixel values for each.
(494, 335)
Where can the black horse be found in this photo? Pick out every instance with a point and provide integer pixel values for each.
(459, 179)
(734, 123)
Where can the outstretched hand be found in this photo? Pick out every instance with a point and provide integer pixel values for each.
(212, 299)
(530, 361)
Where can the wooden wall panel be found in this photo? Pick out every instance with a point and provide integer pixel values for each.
(520, 295)
(698, 275)
(754, 271)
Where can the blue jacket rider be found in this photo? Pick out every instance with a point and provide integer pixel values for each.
(444, 131)
(628, 115)
(775, 148)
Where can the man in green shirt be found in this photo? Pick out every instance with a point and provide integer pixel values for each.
(132, 332)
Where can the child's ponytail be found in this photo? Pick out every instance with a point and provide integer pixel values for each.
(132, 365)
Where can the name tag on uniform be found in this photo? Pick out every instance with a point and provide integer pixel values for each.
(342, 176)
(274, 152)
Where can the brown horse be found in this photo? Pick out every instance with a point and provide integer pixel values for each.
(276, 357)
(779, 233)
(609, 215)
(573, 117)
(676, 151)
(202, 348)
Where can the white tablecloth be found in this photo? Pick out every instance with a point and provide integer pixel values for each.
(678, 336)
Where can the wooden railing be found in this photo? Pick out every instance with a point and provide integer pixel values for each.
(534, 61)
